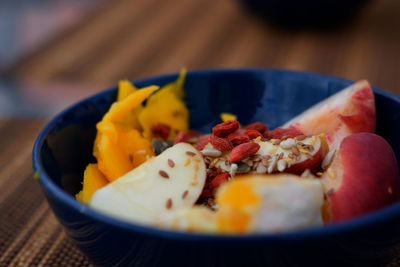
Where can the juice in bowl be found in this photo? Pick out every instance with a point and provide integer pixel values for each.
(226, 189)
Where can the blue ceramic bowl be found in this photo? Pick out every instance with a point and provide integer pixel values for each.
(64, 147)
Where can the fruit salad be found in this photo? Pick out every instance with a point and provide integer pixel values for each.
(323, 166)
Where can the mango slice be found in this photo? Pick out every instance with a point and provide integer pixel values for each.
(167, 107)
(119, 147)
(126, 88)
(93, 180)
(228, 117)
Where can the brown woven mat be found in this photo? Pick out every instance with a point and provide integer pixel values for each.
(30, 235)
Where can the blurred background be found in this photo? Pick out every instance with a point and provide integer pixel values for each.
(53, 53)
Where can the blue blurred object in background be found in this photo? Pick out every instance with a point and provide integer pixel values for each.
(295, 13)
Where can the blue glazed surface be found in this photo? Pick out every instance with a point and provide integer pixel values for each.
(63, 149)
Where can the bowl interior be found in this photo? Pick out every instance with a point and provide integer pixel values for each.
(271, 96)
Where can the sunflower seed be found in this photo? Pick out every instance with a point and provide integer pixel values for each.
(272, 164)
(327, 160)
(281, 165)
(211, 152)
(233, 169)
(288, 143)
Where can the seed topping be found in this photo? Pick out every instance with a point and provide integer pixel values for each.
(295, 151)
(281, 165)
(171, 163)
(190, 153)
(288, 143)
(163, 174)
(131, 157)
(168, 204)
(184, 195)
(327, 160)
(211, 152)
(301, 137)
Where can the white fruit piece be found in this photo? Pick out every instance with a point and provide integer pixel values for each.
(171, 181)
(269, 203)
(193, 219)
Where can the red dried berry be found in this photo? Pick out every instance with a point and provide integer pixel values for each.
(211, 175)
(222, 144)
(238, 138)
(181, 137)
(278, 133)
(207, 193)
(225, 128)
(252, 134)
(243, 151)
(258, 126)
(219, 179)
(203, 141)
(161, 130)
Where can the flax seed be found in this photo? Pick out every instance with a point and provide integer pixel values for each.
(301, 137)
(171, 163)
(184, 195)
(276, 142)
(163, 174)
(285, 137)
(131, 157)
(168, 204)
(190, 153)
(295, 151)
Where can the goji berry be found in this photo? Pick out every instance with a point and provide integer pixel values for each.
(161, 130)
(238, 138)
(243, 151)
(252, 134)
(222, 144)
(203, 141)
(258, 126)
(225, 128)
(278, 133)
(207, 193)
(181, 137)
(219, 179)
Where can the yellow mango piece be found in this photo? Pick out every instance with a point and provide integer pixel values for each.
(166, 106)
(93, 180)
(111, 158)
(125, 88)
(174, 88)
(138, 148)
(118, 147)
(228, 117)
(119, 110)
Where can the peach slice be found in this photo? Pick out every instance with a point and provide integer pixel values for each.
(362, 177)
(349, 111)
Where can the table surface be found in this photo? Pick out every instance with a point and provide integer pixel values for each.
(121, 39)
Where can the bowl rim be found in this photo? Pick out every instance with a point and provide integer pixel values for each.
(357, 223)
